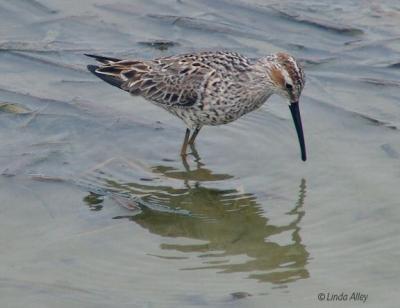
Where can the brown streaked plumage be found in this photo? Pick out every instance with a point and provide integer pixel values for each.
(208, 88)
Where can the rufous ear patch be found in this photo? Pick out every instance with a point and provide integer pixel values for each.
(277, 77)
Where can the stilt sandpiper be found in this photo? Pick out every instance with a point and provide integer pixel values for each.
(208, 88)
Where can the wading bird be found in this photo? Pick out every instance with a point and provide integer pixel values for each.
(208, 88)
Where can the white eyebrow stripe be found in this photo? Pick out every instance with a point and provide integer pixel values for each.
(295, 65)
(286, 76)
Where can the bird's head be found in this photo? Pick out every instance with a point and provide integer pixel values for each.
(287, 77)
(287, 80)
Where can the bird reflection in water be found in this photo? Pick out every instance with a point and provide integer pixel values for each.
(235, 234)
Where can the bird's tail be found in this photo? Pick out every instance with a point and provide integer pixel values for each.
(105, 72)
(104, 60)
(112, 80)
(124, 74)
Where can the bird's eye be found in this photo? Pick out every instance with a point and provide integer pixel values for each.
(289, 86)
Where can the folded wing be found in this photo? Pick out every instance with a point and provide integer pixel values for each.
(171, 81)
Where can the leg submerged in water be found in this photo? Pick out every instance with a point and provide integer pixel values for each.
(189, 140)
(185, 142)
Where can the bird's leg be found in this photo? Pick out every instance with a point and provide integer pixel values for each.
(196, 156)
(194, 135)
(185, 142)
(185, 163)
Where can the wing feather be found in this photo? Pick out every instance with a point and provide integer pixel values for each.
(171, 81)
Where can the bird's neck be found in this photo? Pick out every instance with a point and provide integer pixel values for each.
(263, 76)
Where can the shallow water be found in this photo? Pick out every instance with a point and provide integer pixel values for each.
(98, 210)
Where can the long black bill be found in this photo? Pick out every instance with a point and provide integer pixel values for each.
(294, 109)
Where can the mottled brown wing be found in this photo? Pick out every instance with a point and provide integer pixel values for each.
(170, 81)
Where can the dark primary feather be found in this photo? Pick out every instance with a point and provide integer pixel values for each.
(101, 59)
(107, 78)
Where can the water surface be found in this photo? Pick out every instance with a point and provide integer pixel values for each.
(98, 209)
